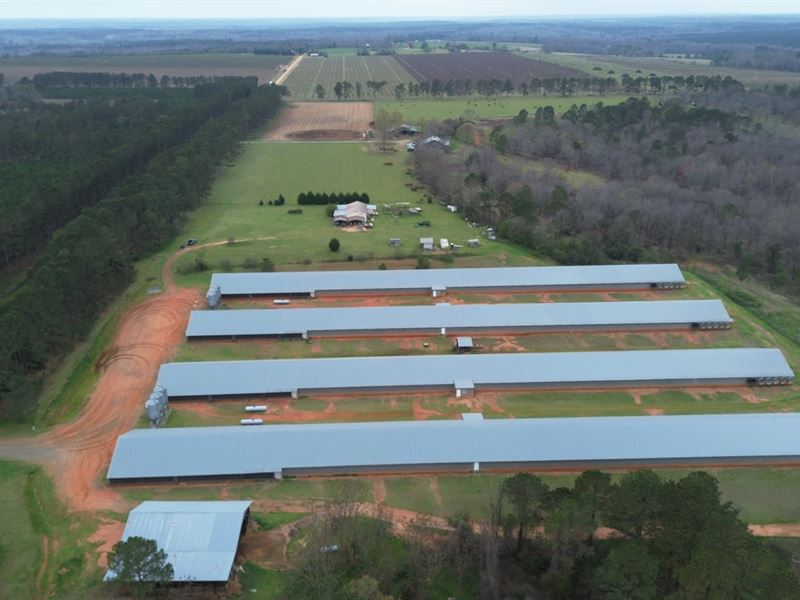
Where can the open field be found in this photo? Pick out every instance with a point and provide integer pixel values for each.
(321, 121)
(664, 66)
(481, 65)
(314, 70)
(420, 110)
(45, 553)
(265, 170)
(266, 68)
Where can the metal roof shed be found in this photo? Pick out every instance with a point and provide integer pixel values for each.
(461, 319)
(337, 448)
(199, 538)
(311, 283)
(717, 366)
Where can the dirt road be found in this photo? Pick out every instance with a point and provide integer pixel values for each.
(289, 68)
(76, 454)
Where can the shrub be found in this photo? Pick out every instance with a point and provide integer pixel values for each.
(423, 263)
(349, 258)
(382, 267)
(231, 240)
(249, 263)
(329, 210)
(295, 211)
(199, 265)
(261, 203)
(334, 245)
(267, 266)
(226, 265)
(307, 261)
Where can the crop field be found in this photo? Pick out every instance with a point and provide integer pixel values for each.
(264, 67)
(322, 121)
(421, 110)
(480, 65)
(318, 70)
(638, 66)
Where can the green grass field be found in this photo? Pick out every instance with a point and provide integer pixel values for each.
(43, 551)
(420, 110)
(262, 66)
(265, 170)
(663, 66)
(327, 71)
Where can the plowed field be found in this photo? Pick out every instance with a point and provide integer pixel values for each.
(322, 121)
(481, 65)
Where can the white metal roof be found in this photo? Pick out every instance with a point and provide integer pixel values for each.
(304, 282)
(298, 321)
(230, 451)
(199, 538)
(632, 367)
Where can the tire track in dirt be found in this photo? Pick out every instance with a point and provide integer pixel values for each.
(76, 454)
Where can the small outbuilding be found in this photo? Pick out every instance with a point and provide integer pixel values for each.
(464, 344)
(426, 243)
(394, 242)
(200, 538)
(473, 243)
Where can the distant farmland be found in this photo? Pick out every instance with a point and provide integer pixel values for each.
(481, 65)
(264, 67)
(314, 70)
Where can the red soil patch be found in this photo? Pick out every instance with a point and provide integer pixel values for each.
(423, 414)
(109, 533)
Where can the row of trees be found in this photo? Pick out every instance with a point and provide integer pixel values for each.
(671, 180)
(638, 539)
(125, 80)
(346, 90)
(316, 198)
(563, 86)
(90, 260)
(57, 160)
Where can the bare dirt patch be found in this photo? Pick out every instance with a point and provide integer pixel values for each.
(322, 121)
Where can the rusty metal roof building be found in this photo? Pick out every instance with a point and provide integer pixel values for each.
(723, 366)
(457, 318)
(311, 283)
(465, 445)
(199, 538)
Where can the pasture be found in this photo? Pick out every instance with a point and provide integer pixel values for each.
(318, 121)
(480, 65)
(265, 170)
(643, 66)
(418, 110)
(317, 70)
(264, 67)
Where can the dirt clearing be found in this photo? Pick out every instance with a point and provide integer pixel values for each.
(322, 122)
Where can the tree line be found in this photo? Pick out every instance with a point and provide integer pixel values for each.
(57, 160)
(127, 80)
(316, 198)
(670, 180)
(638, 538)
(90, 260)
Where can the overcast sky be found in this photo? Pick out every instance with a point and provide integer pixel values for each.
(410, 9)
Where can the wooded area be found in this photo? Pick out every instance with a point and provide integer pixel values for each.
(641, 538)
(711, 174)
(89, 261)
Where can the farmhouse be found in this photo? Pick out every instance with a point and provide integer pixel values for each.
(467, 445)
(355, 213)
(458, 319)
(199, 538)
(542, 370)
(405, 281)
